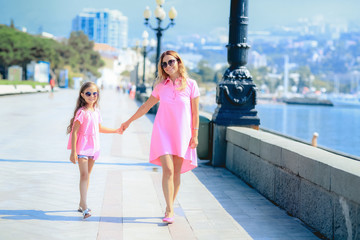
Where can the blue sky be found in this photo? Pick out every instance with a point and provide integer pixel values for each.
(194, 17)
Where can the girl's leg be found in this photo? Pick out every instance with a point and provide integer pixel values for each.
(168, 183)
(84, 177)
(90, 167)
(178, 161)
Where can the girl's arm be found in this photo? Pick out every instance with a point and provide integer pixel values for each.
(108, 130)
(195, 122)
(143, 109)
(73, 154)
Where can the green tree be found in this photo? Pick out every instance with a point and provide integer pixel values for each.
(87, 61)
(260, 77)
(6, 49)
(218, 75)
(195, 76)
(205, 71)
(318, 84)
(14, 48)
(19, 48)
(304, 78)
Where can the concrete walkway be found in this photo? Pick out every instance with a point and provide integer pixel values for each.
(39, 186)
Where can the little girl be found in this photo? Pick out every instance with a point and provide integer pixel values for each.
(84, 143)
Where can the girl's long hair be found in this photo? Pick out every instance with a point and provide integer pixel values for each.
(82, 103)
(162, 75)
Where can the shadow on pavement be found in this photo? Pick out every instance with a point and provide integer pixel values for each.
(53, 216)
(146, 164)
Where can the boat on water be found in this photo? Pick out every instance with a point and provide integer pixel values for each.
(345, 100)
(308, 101)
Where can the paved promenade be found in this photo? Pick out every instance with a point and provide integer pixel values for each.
(39, 186)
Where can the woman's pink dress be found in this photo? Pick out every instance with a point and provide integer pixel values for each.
(173, 123)
(88, 143)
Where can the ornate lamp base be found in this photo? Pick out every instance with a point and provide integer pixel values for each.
(239, 117)
(236, 99)
(236, 104)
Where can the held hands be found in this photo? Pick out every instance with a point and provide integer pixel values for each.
(124, 126)
(194, 142)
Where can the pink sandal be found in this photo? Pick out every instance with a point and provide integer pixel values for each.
(168, 219)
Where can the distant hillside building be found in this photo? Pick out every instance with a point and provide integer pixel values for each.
(257, 60)
(103, 26)
(106, 50)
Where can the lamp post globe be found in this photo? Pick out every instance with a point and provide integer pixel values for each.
(147, 13)
(145, 43)
(160, 2)
(159, 13)
(172, 13)
(152, 43)
(145, 35)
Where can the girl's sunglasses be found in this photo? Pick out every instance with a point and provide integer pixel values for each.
(88, 94)
(170, 63)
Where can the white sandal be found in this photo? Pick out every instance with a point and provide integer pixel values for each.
(86, 213)
(81, 210)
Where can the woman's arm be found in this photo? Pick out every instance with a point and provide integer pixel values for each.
(103, 129)
(73, 154)
(195, 122)
(143, 109)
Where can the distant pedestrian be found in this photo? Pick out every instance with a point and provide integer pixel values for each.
(52, 84)
(175, 132)
(84, 129)
(132, 91)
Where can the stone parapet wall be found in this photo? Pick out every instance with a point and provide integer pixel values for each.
(318, 187)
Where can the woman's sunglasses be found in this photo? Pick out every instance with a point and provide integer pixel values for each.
(88, 94)
(170, 63)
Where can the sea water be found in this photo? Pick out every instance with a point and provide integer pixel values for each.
(338, 127)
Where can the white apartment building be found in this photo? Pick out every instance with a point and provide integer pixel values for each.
(103, 26)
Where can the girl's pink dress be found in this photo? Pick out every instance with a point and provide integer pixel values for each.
(88, 135)
(173, 123)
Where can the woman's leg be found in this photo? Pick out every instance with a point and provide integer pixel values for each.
(84, 177)
(178, 161)
(168, 183)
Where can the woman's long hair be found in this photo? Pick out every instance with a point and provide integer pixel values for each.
(162, 75)
(82, 103)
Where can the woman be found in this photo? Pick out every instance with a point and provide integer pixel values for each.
(175, 132)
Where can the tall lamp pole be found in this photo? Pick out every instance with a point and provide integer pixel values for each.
(236, 93)
(142, 88)
(137, 47)
(160, 16)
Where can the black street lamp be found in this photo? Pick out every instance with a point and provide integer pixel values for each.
(236, 93)
(160, 16)
(137, 51)
(141, 88)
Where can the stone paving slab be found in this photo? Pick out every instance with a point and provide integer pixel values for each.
(39, 186)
